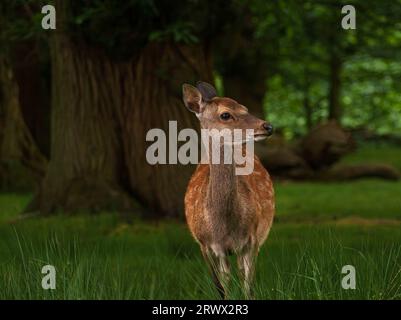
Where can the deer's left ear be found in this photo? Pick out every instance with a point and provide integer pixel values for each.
(207, 91)
(192, 98)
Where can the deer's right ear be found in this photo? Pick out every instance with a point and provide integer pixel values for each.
(192, 98)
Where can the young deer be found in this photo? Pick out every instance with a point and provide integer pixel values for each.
(228, 213)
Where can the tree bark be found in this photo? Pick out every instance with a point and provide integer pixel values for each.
(34, 97)
(152, 103)
(243, 65)
(249, 94)
(308, 112)
(335, 109)
(17, 144)
(307, 108)
(101, 112)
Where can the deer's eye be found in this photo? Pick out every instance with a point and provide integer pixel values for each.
(225, 116)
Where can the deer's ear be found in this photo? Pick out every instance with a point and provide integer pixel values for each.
(192, 98)
(207, 91)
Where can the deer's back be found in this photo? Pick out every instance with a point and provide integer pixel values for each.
(252, 218)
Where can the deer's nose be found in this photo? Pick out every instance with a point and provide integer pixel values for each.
(269, 128)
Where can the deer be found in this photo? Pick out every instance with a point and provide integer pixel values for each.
(228, 213)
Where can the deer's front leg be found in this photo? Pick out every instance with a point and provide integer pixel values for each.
(220, 269)
(246, 264)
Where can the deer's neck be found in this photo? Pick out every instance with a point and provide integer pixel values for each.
(222, 188)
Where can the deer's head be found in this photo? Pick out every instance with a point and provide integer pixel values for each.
(222, 113)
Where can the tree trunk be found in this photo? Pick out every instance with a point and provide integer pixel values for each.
(306, 103)
(335, 110)
(308, 112)
(17, 145)
(152, 102)
(248, 94)
(242, 62)
(34, 97)
(101, 112)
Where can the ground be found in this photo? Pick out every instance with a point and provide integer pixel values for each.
(319, 229)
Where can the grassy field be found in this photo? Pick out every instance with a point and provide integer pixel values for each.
(319, 229)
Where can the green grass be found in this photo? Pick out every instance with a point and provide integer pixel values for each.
(366, 198)
(320, 228)
(102, 258)
(375, 153)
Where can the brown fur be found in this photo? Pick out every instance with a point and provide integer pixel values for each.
(250, 222)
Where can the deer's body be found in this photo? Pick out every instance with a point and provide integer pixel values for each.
(228, 213)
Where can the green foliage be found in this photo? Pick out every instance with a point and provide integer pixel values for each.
(290, 42)
(21, 20)
(218, 81)
(123, 28)
(284, 105)
(371, 96)
(305, 35)
(179, 32)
